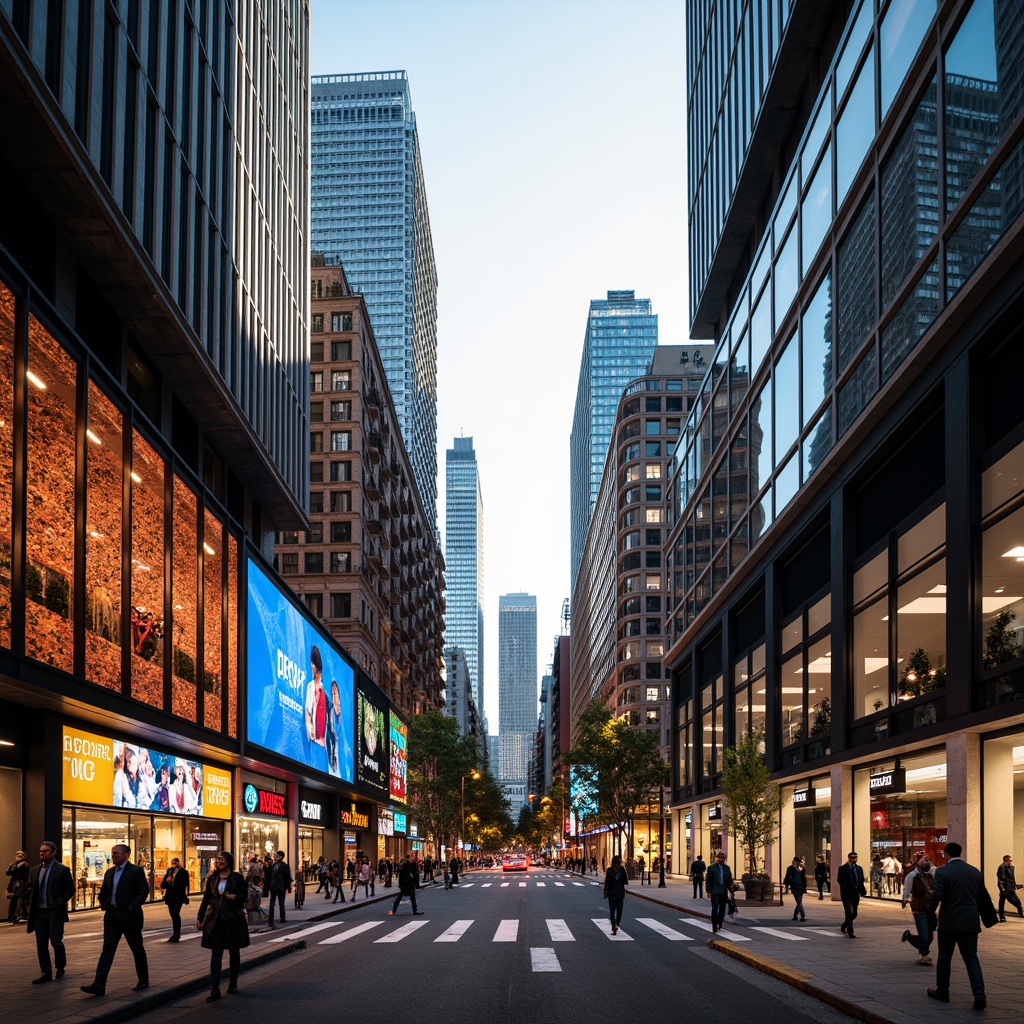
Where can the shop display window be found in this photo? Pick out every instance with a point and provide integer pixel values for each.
(50, 483)
(103, 533)
(203, 841)
(147, 539)
(806, 680)
(94, 834)
(184, 596)
(259, 836)
(6, 458)
(213, 626)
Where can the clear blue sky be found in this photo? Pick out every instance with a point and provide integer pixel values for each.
(553, 141)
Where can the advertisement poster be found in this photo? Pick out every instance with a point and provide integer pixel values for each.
(115, 773)
(371, 742)
(301, 693)
(399, 757)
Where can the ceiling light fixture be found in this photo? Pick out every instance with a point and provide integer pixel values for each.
(33, 379)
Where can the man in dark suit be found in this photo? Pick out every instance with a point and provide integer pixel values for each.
(125, 888)
(175, 887)
(850, 878)
(720, 886)
(52, 890)
(957, 889)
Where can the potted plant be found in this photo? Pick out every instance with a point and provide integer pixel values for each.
(1001, 641)
(919, 677)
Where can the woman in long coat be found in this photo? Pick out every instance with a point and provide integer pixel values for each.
(222, 920)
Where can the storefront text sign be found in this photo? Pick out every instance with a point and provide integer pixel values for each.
(804, 798)
(264, 801)
(400, 820)
(385, 822)
(894, 781)
(311, 813)
(715, 812)
(352, 818)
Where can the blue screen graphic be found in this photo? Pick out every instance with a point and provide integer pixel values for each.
(301, 693)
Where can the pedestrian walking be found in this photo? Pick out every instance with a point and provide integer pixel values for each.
(796, 882)
(890, 867)
(1007, 888)
(300, 889)
(917, 889)
(322, 869)
(454, 867)
(720, 888)
(697, 871)
(821, 876)
(124, 890)
(406, 887)
(51, 890)
(17, 887)
(615, 882)
(957, 889)
(850, 878)
(280, 883)
(222, 922)
(175, 888)
(364, 876)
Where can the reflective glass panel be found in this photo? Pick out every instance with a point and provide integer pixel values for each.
(819, 687)
(922, 539)
(791, 680)
(871, 659)
(787, 396)
(1003, 481)
(853, 47)
(1002, 583)
(855, 263)
(785, 277)
(787, 482)
(213, 598)
(855, 130)
(921, 633)
(817, 444)
(760, 330)
(816, 338)
(900, 35)
(761, 438)
(816, 211)
(184, 597)
(147, 611)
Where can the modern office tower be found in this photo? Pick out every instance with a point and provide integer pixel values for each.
(369, 209)
(617, 346)
(155, 409)
(494, 753)
(458, 698)
(517, 683)
(855, 237)
(464, 559)
(369, 567)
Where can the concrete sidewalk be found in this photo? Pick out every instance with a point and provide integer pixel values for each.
(875, 978)
(175, 969)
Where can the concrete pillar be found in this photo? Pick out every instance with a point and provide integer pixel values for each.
(998, 807)
(842, 821)
(963, 793)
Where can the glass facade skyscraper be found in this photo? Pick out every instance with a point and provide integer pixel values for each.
(369, 209)
(517, 683)
(464, 560)
(621, 335)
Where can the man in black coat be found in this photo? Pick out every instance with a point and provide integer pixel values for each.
(52, 890)
(280, 883)
(407, 879)
(955, 894)
(720, 888)
(175, 887)
(697, 871)
(125, 888)
(850, 878)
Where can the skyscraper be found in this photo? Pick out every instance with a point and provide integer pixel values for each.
(369, 208)
(617, 347)
(517, 683)
(464, 560)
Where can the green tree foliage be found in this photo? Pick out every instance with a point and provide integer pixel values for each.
(752, 799)
(617, 766)
(488, 822)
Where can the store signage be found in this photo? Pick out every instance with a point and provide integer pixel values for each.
(371, 740)
(893, 781)
(385, 822)
(301, 702)
(311, 812)
(414, 829)
(112, 773)
(715, 812)
(351, 817)
(265, 801)
(804, 798)
(399, 757)
(400, 822)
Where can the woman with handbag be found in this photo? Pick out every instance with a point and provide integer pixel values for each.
(222, 920)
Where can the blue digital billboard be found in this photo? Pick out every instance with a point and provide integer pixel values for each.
(301, 692)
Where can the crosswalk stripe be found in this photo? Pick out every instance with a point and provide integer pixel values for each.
(522, 885)
(663, 929)
(578, 883)
(312, 930)
(705, 926)
(781, 933)
(559, 931)
(401, 933)
(508, 931)
(467, 885)
(351, 933)
(504, 885)
(606, 926)
(541, 885)
(561, 885)
(825, 931)
(544, 960)
(486, 885)
(455, 932)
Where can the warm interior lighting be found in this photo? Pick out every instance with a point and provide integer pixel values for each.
(994, 604)
(6, 743)
(208, 549)
(93, 437)
(1017, 552)
(34, 380)
(136, 478)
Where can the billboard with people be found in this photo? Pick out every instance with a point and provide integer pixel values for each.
(371, 738)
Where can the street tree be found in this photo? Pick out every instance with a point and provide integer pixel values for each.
(751, 798)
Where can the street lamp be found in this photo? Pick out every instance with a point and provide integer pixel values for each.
(468, 775)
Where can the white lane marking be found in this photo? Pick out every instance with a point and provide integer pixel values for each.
(508, 931)
(351, 933)
(561, 885)
(705, 926)
(559, 931)
(541, 885)
(302, 933)
(467, 885)
(486, 885)
(781, 933)
(544, 960)
(522, 885)
(577, 883)
(455, 932)
(825, 931)
(504, 885)
(663, 929)
(402, 933)
(606, 926)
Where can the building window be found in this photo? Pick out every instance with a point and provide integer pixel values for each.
(652, 449)
(341, 561)
(653, 716)
(316, 412)
(341, 351)
(315, 603)
(313, 561)
(652, 427)
(316, 351)
(652, 582)
(341, 322)
(316, 473)
(316, 381)
(341, 606)
(653, 515)
(341, 411)
(341, 471)
(341, 531)
(341, 440)
(316, 533)
(805, 684)
(653, 471)
(341, 380)
(316, 500)
(316, 442)
(632, 452)
(341, 501)
(653, 693)
(316, 323)
(290, 562)
(289, 536)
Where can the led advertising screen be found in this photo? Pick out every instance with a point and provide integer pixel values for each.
(301, 692)
(371, 741)
(399, 756)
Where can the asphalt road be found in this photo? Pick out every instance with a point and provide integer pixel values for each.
(505, 948)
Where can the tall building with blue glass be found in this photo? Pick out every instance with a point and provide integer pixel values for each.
(369, 209)
(517, 684)
(464, 561)
(621, 335)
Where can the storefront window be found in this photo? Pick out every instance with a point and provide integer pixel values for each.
(147, 612)
(95, 832)
(50, 481)
(232, 638)
(259, 836)
(203, 841)
(6, 458)
(311, 846)
(806, 824)
(213, 626)
(184, 575)
(103, 534)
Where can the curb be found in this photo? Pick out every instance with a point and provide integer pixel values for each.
(807, 983)
(196, 983)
